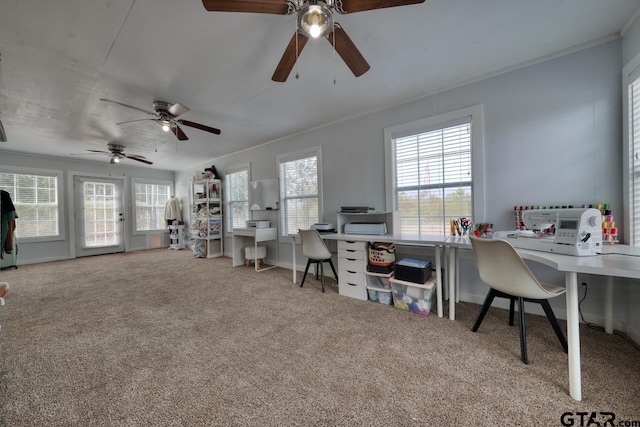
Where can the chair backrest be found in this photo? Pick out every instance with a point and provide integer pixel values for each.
(502, 268)
(312, 245)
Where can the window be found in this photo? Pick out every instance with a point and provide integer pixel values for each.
(36, 200)
(237, 195)
(431, 168)
(300, 190)
(631, 151)
(150, 202)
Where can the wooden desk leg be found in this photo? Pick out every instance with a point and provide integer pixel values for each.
(573, 335)
(453, 256)
(439, 280)
(608, 305)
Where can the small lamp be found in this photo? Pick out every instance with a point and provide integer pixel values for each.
(315, 19)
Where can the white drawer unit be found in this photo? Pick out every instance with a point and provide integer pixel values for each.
(352, 262)
(350, 254)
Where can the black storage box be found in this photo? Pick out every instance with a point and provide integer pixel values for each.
(380, 269)
(413, 270)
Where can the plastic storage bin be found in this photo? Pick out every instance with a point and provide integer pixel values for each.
(413, 297)
(378, 279)
(378, 293)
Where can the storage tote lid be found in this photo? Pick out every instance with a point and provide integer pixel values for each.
(413, 262)
(386, 276)
(429, 284)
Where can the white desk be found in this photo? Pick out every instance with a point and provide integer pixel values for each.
(616, 261)
(244, 236)
(436, 241)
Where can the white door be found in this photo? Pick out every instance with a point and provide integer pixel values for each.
(100, 216)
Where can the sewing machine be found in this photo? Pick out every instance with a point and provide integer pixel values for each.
(575, 231)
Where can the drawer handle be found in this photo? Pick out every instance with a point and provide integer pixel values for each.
(350, 250)
(351, 259)
(350, 241)
(351, 284)
(352, 272)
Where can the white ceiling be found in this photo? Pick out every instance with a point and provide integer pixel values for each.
(59, 57)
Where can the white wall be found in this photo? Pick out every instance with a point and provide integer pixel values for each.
(30, 252)
(552, 136)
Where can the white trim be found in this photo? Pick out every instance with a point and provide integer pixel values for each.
(62, 229)
(297, 155)
(227, 217)
(128, 208)
(134, 221)
(477, 153)
(626, 147)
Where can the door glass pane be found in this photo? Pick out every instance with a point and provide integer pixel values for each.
(100, 214)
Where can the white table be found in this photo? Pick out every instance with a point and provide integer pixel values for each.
(616, 261)
(436, 241)
(244, 236)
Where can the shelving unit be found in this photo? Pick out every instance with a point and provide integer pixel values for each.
(176, 236)
(205, 224)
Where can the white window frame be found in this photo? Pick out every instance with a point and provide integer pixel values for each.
(61, 212)
(628, 155)
(293, 156)
(135, 181)
(227, 194)
(477, 153)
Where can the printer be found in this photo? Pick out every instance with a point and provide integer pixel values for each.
(374, 228)
(571, 231)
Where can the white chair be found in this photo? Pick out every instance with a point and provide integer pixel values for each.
(501, 267)
(313, 247)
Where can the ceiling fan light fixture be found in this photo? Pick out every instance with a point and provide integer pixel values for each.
(114, 160)
(166, 125)
(315, 19)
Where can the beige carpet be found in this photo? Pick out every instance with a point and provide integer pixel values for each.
(161, 338)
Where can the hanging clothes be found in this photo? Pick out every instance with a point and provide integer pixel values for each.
(8, 222)
(172, 211)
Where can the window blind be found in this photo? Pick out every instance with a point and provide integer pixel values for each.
(433, 179)
(299, 194)
(151, 200)
(237, 194)
(634, 108)
(36, 201)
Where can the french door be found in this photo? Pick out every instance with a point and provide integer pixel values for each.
(99, 211)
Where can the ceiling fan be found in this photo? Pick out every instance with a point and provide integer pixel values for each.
(315, 19)
(116, 153)
(165, 115)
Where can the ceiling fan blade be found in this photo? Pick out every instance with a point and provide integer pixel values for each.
(178, 132)
(276, 7)
(352, 6)
(199, 126)
(176, 109)
(348, 51)
(289, 57)
(128, 106)
(138, 158)
(133, 121)
(98, 151)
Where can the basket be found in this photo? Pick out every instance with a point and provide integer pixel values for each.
(382, 254)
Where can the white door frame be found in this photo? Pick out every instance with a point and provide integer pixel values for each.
(75, 216)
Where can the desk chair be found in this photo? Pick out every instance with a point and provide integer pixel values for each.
(502, 268)
(313, 247)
